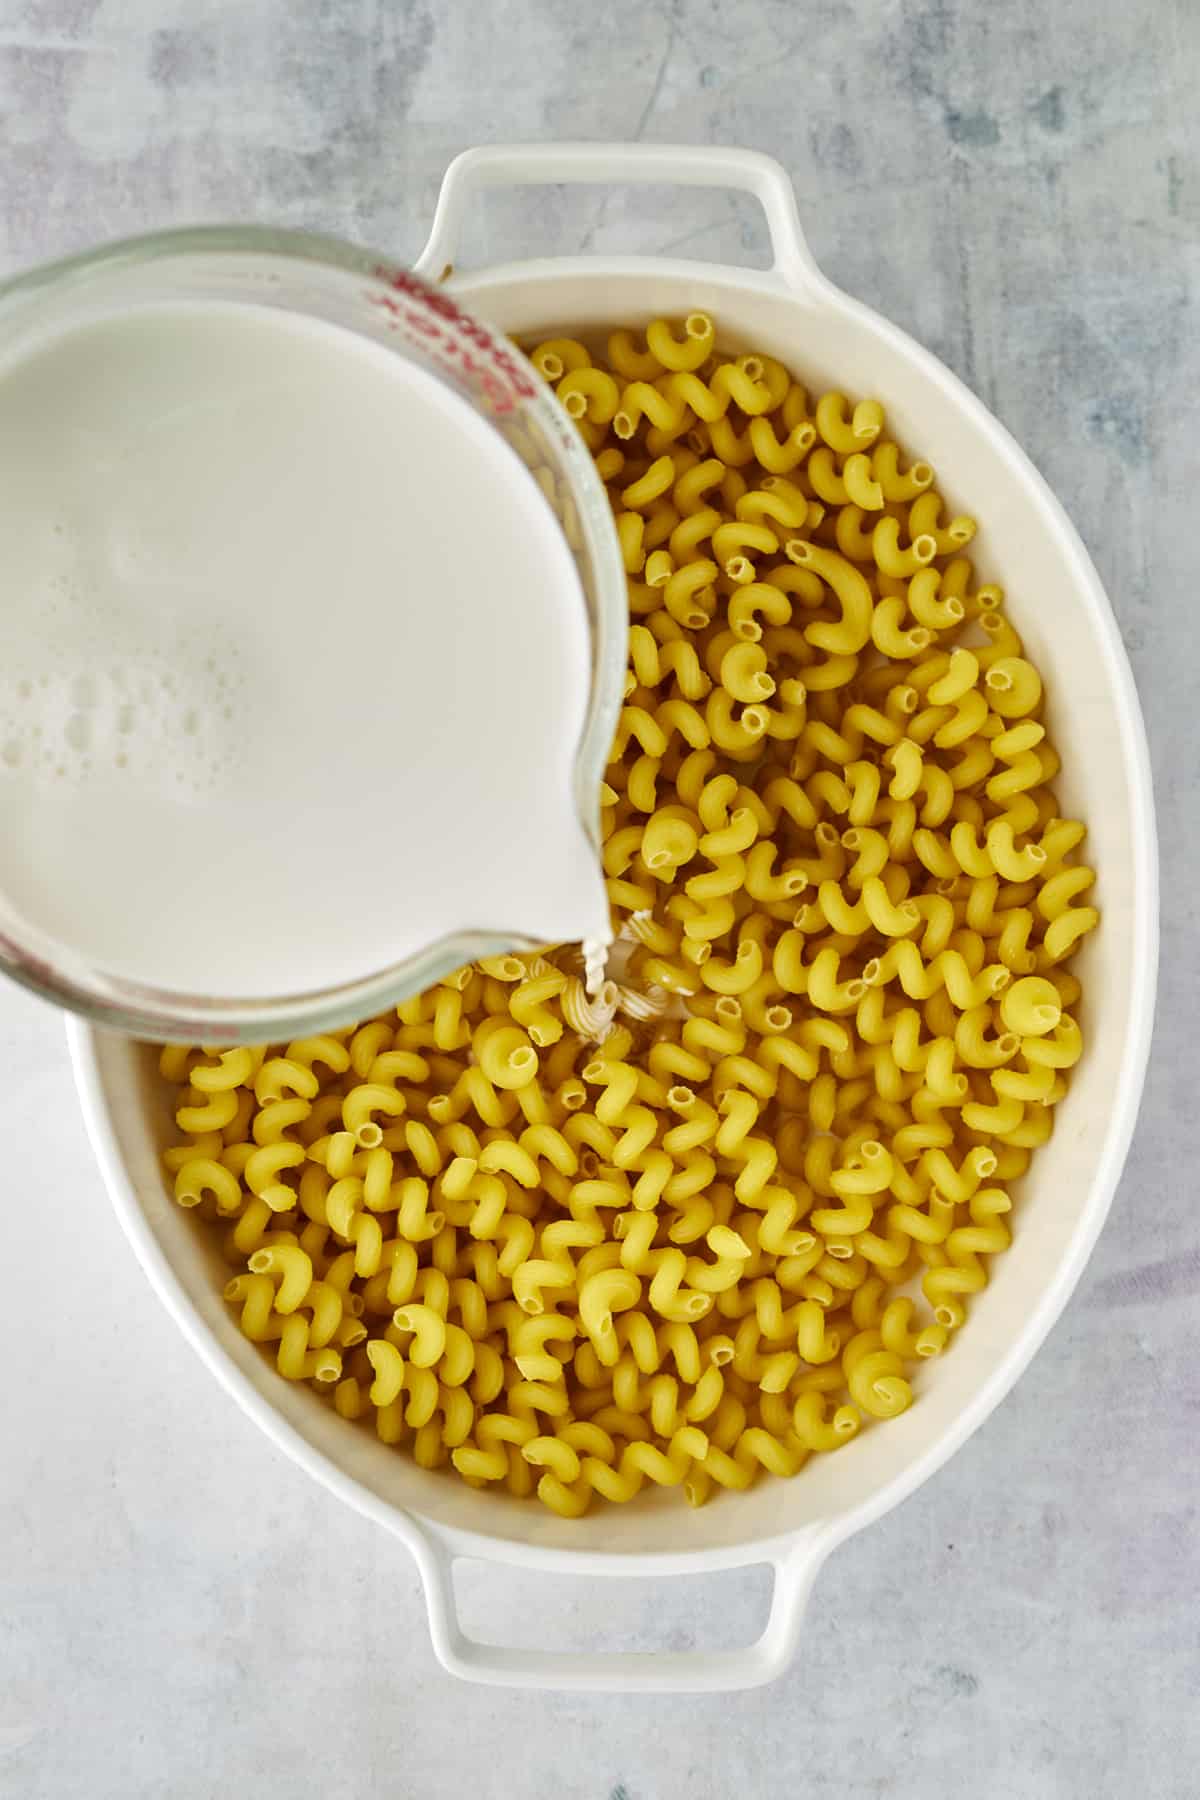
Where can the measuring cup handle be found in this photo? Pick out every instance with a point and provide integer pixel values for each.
(685, 165)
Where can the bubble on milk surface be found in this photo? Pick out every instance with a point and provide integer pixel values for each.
(78, 732)
(100, 681)
(162, 718)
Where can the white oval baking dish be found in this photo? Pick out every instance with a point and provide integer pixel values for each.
(1026, 543)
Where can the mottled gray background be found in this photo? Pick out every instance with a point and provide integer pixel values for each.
(181, 1613)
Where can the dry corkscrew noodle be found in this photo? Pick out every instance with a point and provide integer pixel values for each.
(709, 1223)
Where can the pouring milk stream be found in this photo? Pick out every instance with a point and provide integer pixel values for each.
(294, 658)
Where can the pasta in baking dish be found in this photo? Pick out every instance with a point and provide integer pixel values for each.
(708, 1221)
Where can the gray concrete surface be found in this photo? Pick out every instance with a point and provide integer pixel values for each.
(181, 1613)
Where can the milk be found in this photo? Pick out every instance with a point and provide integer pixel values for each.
(294, 659)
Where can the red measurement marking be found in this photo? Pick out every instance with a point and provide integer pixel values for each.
(441, 322)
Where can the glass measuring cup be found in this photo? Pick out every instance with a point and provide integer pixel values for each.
(324, 281)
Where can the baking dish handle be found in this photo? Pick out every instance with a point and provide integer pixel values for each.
(686, 165)
(629, 1671)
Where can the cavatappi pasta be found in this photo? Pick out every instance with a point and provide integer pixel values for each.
(708, 1221)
